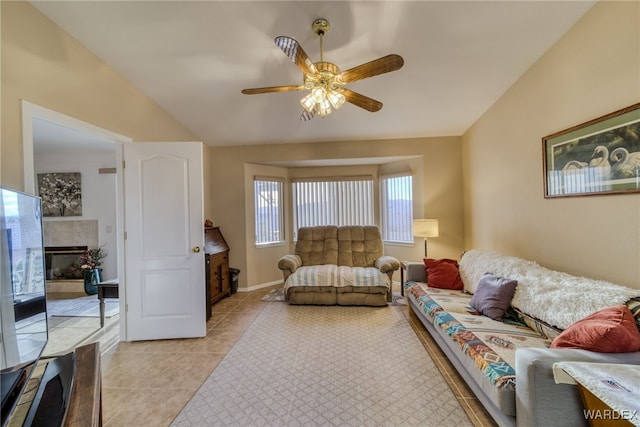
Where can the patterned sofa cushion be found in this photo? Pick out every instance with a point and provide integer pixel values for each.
(543, 328)
(634, 306)
(489, 343)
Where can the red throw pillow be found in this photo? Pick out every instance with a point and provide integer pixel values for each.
(443, 273)
(612, 330)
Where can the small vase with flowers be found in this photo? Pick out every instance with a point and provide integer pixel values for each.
(90, 262)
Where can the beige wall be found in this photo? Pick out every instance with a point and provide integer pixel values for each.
(45, 66)
(593, 70)
(257, 257)
(438, 172)
(590, 72)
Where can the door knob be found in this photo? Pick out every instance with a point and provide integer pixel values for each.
(195, 249)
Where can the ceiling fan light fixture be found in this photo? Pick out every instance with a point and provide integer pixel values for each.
(336, 99)
(308, 102)
(319, 93)
(323, 108)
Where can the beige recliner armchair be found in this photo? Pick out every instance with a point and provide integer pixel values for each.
(338, 265)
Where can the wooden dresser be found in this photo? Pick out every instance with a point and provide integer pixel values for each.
(217, 265)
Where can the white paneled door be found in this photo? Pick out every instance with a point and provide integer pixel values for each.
(164, 257)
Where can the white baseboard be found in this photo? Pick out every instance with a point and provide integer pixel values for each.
(260, 286)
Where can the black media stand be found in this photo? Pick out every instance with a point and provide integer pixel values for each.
(51, 402)
(12, 384)
(68, 392)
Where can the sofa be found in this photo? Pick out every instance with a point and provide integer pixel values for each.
(507, 358)
(341, 265)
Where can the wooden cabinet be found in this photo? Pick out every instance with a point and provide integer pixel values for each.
(219, 276)
(85, 408)
(217, 263)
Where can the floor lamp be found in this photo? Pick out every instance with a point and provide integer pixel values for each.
(425, 228)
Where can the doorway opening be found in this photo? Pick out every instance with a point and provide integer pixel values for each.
(56, 143)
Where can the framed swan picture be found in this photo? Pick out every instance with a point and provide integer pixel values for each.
(601, 156)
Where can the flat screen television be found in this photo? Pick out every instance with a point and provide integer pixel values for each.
(23, 315)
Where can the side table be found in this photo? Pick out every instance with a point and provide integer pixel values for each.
(403, 268)
(106, 289)
(610, 392)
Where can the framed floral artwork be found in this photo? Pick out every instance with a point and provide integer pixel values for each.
(601, 156)
(61, 193)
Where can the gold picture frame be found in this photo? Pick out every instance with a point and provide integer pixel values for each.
(601, 156)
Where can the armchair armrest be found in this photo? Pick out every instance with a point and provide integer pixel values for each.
(289, 264)
(387, 264)
(539, 400)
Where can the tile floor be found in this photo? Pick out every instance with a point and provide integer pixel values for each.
(147, 383)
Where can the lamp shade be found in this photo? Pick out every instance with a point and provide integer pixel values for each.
(425, 227)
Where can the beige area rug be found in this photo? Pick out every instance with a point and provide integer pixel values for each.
(277, 295)
(330, 366)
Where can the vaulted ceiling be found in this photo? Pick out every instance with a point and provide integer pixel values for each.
(194, 58)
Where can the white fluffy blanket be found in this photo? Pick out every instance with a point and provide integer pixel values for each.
(557, 298)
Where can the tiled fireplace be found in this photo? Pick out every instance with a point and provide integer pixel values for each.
(63, 262)
(64, 241)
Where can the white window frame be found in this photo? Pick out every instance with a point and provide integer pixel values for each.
(271, 231)
(396, 227)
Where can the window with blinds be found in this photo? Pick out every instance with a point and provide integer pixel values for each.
(396, 205)
(332, 201)
(269, 209)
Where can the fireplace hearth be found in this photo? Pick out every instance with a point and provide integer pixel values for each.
(63, 262)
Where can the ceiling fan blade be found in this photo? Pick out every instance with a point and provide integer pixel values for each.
(296, 53)
(272, 89)
(306, 115)
(360, 100)
(378, 66)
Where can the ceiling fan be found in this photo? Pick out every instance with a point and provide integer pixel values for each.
(325, 81)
